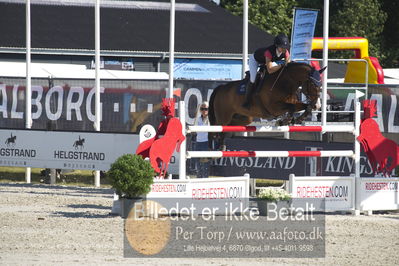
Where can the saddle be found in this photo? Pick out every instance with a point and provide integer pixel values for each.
(260, 77)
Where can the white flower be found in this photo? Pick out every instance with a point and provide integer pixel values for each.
(273, 194)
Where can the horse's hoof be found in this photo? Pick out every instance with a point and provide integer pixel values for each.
(223, 148)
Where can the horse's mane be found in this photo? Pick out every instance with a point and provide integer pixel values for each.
(295, 64)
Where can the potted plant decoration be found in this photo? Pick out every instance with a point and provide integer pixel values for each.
(272, 196)
(131, 176)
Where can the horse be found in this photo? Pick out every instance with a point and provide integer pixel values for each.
(276, 97)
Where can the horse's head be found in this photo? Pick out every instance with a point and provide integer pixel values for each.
(312, 87)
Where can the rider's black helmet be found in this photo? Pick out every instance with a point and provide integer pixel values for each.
(282, 41)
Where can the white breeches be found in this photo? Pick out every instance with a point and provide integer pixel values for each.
(253, 68)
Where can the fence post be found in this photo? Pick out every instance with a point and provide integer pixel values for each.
(357, 121)
(183, 148)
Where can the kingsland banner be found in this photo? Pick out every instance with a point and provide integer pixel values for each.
(281, 168)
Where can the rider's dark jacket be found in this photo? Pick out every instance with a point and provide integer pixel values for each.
(260, 54)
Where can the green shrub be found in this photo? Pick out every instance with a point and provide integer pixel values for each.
(273, 194)
(131, 176)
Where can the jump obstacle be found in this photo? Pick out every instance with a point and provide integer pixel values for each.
(354, 129)
(358, 199)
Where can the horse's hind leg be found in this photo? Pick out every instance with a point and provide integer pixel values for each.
(223, 118)
(240, 120)
(237, 120)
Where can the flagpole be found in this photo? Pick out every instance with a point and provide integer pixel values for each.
(28, 91)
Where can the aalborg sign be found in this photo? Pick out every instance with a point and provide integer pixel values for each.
(64, 150)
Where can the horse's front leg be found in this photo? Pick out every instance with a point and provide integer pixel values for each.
(304, 115)
(290, 108)
(287, 119)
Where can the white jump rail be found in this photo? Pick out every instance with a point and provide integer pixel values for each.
(220, 154)
(272, 129)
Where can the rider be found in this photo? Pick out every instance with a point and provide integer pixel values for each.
(274, 57)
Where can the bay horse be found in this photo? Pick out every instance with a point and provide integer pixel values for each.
(275, 98)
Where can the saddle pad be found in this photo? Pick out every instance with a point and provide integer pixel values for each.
(241, 87)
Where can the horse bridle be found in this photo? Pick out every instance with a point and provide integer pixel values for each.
(315, 82)
(312, 78)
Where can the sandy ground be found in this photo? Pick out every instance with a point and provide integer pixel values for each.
(41, 224)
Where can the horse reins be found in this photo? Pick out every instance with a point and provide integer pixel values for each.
(277, 77)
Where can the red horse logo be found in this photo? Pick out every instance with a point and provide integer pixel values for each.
(162, 149)
(382, 153)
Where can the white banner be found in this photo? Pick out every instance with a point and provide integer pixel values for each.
(64, 150)
(337, 191)
(202, 188)
(222, 195)
(378, 193)
(302, 33)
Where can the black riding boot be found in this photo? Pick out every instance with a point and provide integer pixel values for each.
(248, 95)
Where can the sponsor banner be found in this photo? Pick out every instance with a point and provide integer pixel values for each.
(302, 33)
(171, 188)
(208, 192)
(126, 64)
(387, 105)
(378, 193)
(338, 192)
(204, 69)
(127, 105)
(63, 150)
(281, 168)
(202, 189)
(69, 104)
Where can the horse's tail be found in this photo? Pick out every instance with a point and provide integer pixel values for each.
(211, 112)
